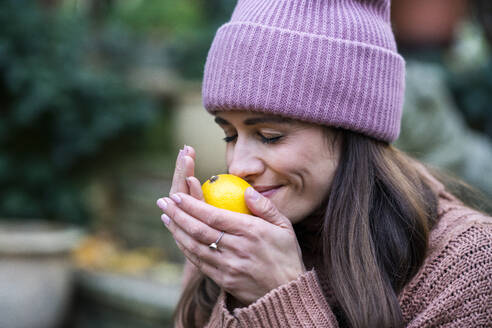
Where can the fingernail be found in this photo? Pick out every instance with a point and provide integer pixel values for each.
(253, 194)
(187, 149)
(176, 198)
(165, 219)
(180, 155)
(162, 204)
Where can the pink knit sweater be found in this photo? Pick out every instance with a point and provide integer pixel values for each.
(453, 288)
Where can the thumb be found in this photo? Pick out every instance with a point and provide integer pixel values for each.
(262, 207)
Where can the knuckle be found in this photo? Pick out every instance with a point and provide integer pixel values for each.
(194, 249)
(175, 214)
(228, 282)
(195, 232)
(270, 210)
(232, 270)
(256, 234)
(249, 229)
(263, 232)
(198, 234)
(212, 220)
(240, 252)
(249, 225)
(242, 268)
(170, 210)
(241, 249)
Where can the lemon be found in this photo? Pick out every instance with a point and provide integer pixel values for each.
(226, 191)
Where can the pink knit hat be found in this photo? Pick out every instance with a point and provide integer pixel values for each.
(331, 62)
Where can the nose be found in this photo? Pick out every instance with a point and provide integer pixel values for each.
(243, 160)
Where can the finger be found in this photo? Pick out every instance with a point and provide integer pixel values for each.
(197, 252)
(189, 159)
(189, 167)
(179, 183)
(195, 188)
(185, 167)
(234, 223)
(263, 207)
(190, 151)
(194, 228)
(212, 271)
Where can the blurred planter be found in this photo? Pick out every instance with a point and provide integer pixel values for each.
(35, 273)
(110, 300)
(426, 22)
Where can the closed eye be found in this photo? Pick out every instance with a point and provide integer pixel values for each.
(230, 139)
(269, 140)
(263, 139)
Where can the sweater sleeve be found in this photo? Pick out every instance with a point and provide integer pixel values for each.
(454, 287)
(300, 303)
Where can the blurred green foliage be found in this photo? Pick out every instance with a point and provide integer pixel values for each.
(472, 90)
(186, 26)
(161, 18)
(63, 114)
(188, 49)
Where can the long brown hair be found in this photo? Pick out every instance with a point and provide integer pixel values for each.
(370, 238)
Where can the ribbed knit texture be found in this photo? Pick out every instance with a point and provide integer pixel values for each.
(452, 289)
(332, 62)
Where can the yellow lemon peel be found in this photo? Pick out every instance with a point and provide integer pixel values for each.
(226, 191)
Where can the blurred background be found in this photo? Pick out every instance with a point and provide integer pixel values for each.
(98, 96)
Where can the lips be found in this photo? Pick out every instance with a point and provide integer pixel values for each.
(267, 190)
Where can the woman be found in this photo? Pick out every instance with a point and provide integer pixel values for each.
(345, 230)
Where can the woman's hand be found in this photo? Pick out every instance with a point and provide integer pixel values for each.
(257, 253)
(184, 173)
(184, 170)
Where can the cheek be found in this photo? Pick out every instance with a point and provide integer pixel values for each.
(295, 165)
(316, 169)
(302, 159)
(228, 156)
(283, 161)
(229, 153)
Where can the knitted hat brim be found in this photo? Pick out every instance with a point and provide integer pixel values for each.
(259, 68)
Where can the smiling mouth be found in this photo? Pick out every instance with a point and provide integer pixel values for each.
(270, 192)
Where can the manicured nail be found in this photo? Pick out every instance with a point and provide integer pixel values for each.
(253, 194)
(165, 219)
(162, 204)
(176, 198)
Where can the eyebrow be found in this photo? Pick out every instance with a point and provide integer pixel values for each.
(257, 120)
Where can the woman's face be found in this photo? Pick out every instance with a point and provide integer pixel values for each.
(288, 161)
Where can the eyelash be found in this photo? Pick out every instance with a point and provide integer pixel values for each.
(263, 139)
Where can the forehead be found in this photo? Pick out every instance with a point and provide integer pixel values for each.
(248, 118)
